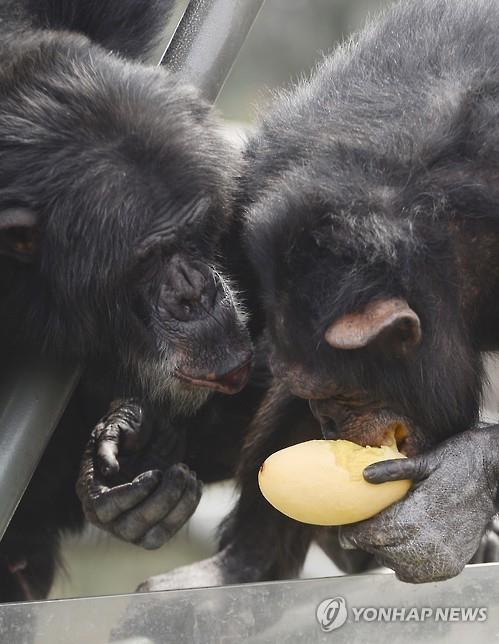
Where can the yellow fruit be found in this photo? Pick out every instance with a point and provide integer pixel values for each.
(321, 482)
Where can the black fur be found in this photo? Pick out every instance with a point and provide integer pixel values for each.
(377, 179)
(115, 191)
(128, 28)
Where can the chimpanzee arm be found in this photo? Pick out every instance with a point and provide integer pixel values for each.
(436, 529)
(258, 543)
(130, 482)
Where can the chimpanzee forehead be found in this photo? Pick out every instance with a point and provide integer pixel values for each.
(190, 225)
(303, 238)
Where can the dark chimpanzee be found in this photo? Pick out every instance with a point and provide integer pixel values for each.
(372, 200)
(115, 188)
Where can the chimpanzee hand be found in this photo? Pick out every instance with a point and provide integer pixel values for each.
(130, 483)
(488, 550)
(436, 529)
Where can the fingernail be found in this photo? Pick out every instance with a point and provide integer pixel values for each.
(380, 471)
(174, 472)
(109, 470)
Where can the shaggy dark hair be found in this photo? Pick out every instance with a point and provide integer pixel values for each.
(115, 193)
(377, 177)
(375, 181)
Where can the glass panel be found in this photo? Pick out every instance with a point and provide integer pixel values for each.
(463, 609)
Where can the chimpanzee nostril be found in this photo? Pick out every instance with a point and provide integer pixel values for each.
(329, 429)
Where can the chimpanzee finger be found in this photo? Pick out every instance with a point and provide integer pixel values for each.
(479, 556)
(416, 469)
(108, 443)
(421, 563)
(491, 551)
(494, 524)
(171, 524)
(134, 524)
(488, 550)
(110, 503)
(370, 536)
(387, 529)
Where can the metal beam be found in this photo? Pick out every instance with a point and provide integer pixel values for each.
(207, 41)
(31, 404)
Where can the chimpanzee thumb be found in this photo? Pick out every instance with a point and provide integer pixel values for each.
(416, 469)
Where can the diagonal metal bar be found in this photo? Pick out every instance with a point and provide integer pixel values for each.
(208, 39)
(31, 404)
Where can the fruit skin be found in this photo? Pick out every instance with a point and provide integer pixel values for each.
(321, 482)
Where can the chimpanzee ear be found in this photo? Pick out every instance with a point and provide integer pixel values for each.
(389, 323)
(18, 234)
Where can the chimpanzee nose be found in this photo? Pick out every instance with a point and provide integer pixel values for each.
(329, 428)
(186, 279)
(189, 289)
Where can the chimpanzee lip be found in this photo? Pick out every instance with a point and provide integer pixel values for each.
(397, 431)
(229, 383)
(386, 432)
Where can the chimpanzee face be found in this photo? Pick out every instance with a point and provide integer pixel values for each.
(113, 200)
(189, 316)
(167, 313)
(365, 322)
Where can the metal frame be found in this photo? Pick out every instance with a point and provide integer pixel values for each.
(203, 49)
(31, 404)
(207, 41)
(339, 610)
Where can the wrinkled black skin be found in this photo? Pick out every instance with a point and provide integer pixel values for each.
(377, 178)
(133, 482)
(130, 181)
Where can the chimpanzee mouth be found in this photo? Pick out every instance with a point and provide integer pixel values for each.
(395, 435)
(229, 383)
(375, 429)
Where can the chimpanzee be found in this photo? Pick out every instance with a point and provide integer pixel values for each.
(115, 192)
(371, 198)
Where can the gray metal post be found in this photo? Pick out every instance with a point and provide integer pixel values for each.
(31, 404)
(207, 41)
(203, 48)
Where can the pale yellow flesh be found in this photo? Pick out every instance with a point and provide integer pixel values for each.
(321, 482)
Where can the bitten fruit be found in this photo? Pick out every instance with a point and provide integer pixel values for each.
(321, 482)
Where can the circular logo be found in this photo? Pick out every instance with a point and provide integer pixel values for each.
(332, 613)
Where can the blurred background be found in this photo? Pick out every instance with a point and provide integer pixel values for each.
(287, 40)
